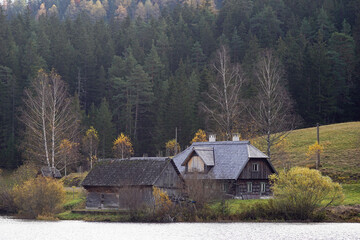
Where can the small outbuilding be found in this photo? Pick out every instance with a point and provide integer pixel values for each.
(50, 172)
(128, 183)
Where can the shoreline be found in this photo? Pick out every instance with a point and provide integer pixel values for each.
(337, 214)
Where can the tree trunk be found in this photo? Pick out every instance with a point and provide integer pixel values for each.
(43, 116)
(53, 130)
(136, 116)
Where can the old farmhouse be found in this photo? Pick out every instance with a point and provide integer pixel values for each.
(128, 183)
(235, 168)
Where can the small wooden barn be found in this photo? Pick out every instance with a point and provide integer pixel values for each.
(50, 172)
(128, 183)
(232, 168)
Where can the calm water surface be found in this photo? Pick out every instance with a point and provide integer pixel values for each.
(63, 230)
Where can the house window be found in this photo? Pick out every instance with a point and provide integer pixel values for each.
(262, 187)
(249, 186)
(196, 164)
(255, 167)
(224, 187)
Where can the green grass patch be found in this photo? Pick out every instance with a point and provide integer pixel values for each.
(75, 198)
(352, 194)
(73, 204)
(237, 206)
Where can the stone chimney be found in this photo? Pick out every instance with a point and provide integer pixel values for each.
(212, 137)
(236, 137)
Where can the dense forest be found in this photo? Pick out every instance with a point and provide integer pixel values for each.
(143, 67)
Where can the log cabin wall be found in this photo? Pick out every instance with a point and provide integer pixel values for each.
(263, 170)
(125, 198)
(242, 188)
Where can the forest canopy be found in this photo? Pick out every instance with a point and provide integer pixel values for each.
(143, 68)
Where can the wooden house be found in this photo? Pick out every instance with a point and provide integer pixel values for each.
(234, 168)
(128, 183)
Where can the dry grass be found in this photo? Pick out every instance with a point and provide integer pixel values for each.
(341, 157)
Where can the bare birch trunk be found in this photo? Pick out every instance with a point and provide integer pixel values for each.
(48, 119)
(224, 94)
(273, 113)
(43, 116)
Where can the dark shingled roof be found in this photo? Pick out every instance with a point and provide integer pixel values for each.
(127, 172)
(50, 172)
(230, 158)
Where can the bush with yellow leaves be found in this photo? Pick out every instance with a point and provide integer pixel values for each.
(300, 191)
(39, 197)
(163, 203)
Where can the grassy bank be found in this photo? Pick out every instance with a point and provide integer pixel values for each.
(341, 157)
(75, 198)
(109, 217)
(352, 194)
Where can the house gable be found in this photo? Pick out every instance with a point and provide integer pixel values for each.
(169, 177)
(256, 168)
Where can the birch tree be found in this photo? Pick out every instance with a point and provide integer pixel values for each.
(69, 154)
(122, 147)
(48, 119)
(224, 105)
(273, 112)
(90, 144)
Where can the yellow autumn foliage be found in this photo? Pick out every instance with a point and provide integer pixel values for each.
(314, 150)
(300, 191)
(162, 201)
(67, 146)
(200, 136)
(39, 197)
(90, 144)
(122, 146)
(171, 146)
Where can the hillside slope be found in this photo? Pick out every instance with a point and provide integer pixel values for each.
(341, 157)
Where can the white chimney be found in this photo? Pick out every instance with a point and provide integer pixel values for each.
(212, 137)
(236, 137)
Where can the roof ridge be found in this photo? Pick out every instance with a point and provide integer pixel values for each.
(135, 159)
(222, 143)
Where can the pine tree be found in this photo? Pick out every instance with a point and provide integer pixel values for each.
(105, 128)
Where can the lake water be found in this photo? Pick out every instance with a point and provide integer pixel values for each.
(13, 229)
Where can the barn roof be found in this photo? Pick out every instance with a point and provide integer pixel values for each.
(127, 172)
(50, 172)
(230, 158)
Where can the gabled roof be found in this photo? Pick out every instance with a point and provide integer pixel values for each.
(255, 153)
(50, 172)
(205, 153)
(230, 158)
(127, 172)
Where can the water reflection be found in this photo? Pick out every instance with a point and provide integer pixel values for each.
(11, 229)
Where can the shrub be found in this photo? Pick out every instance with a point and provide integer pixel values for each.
(300, 191)
(23, 173)
(39, 197)
(162, 200)
(163, 205)
(264, 210)
(6, 200)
